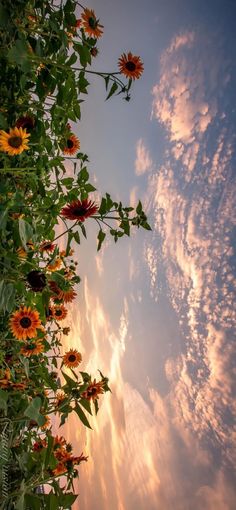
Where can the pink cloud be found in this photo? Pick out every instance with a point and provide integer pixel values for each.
(143, 162)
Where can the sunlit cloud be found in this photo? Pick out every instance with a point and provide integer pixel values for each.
(143, 162)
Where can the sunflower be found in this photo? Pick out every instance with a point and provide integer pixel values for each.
(66, 331)
(37, 280)
(59, 312)
(17, 216)
(39, 445)
(60, 398)
(72, 358)
(14, 142)
(90, 24)
(25, 122)
(94, 389)
(130, 65)
(46, 424)
(63, 253)
(72, 145)
(59, 442)
(78, 460)
(47, 246)
(32, 348)
(22, 253)
(67, 295)
(5, 378)
(55, 265)
(18, 386)
(24, 323)
(79, 210)
(59, 469)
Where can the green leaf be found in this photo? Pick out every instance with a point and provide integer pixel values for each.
(84, 54)
(82, 416)
(3, 400)
(20, 504)
(82, 83)
(89, 187)
(101, 236)
(83, 174)
(25, 363)
(125, 226)
(67, 499)
(19, 54)
(25, 231)
(3, 122)
(33, 411)
(146, 225)
(4, 17)
(68, 182)
(77, 237)
(107, 78)
(72, 60)
(96, 406)
(49, 451)
(33, 502)
(77, 111)
(83, 230)
(139, 208)
(86, 404)
(3, 218)
(63, 419)
(103, 207)
(71, 383)
(113, 89)
(85, 376)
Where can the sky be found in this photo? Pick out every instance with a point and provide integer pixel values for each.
(156, 312)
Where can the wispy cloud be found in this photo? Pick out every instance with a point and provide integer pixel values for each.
(143, 162)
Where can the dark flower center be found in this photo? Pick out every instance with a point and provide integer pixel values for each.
(15, 141)
(79, 211)
(130, 66)
(92, 392)
(36, 279)
(69, 143)
(92, 22)
(25, 322)
(27, 125)
(72, 358)
(31, 347)
(58, 313)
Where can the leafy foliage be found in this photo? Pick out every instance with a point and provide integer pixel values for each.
(46, 61)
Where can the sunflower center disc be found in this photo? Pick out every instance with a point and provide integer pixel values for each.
(70, 144)
(72, 358)
(130, 66)
(92, 22)
(31, 347)
(15, 141)
(79, 211)
(58, 313)
(25, 322)
(92, 392)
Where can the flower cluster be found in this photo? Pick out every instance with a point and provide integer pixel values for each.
(46, 205)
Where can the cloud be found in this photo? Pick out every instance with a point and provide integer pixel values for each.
(143, 162)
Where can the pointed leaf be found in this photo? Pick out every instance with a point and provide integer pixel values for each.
(82, 416)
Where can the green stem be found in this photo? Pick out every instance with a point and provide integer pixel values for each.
(66, 231)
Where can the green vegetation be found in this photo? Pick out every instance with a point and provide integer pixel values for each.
(47, 49)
